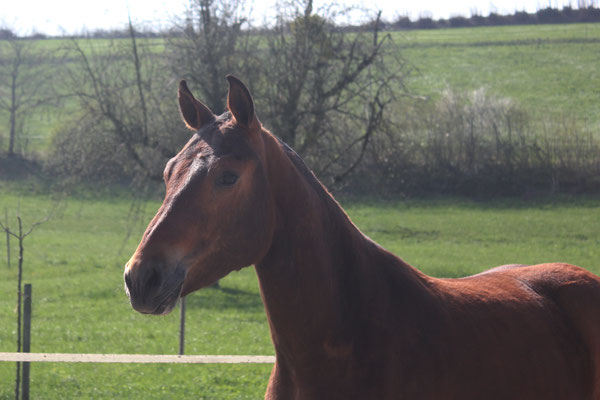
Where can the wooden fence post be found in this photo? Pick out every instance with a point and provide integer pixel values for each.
(181, 325)
(26, 338)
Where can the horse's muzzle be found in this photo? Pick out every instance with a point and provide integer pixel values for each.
(153, 288)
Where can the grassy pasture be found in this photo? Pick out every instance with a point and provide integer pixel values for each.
(75, 267)
(550, 70)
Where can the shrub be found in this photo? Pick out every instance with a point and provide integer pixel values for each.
(478, 144)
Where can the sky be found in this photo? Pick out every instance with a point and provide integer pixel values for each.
(73, 16)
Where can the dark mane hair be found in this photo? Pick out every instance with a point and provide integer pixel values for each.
(304, 169)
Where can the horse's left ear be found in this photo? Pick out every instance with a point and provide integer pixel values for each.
(240, 103)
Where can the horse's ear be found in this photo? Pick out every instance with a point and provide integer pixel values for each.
(240, 103)
(194, 114)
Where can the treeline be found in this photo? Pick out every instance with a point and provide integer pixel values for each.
(548, 15)
(584, 13)
(115, 33)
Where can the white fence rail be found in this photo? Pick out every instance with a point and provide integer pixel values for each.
(135, 358)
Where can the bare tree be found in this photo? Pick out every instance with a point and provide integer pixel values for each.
(212, 40)
(327, 90)
(24, 84)
(20, 235)
(126, 127)
(323, 90)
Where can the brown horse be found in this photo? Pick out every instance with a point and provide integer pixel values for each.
(348, 319)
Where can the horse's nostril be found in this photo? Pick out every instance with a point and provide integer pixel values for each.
(153, 279)
(142, 281)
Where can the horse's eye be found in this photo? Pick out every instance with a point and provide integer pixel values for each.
(228, 178)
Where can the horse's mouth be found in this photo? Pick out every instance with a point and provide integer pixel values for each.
(167, 305)
(161, 302)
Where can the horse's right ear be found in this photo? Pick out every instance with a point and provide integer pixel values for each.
(194, 114)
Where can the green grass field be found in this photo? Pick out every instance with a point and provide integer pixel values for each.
(550, 70)
(75, 265)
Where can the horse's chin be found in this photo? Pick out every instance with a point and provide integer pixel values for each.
(166, 308)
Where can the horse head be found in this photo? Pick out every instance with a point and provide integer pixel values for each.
(217, 215)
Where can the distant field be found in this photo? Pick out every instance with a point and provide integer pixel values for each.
(76, 268)
(551, 70)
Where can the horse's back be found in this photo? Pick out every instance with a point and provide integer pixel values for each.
(577, 293)
(572, 295)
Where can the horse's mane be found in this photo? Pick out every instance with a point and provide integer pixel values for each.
(305, 171)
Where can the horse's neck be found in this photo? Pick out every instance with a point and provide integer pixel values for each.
(321, 270)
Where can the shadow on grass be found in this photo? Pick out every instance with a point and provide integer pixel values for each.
(17, 168)
(534, 201)
(223, 298)
(402, 232)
